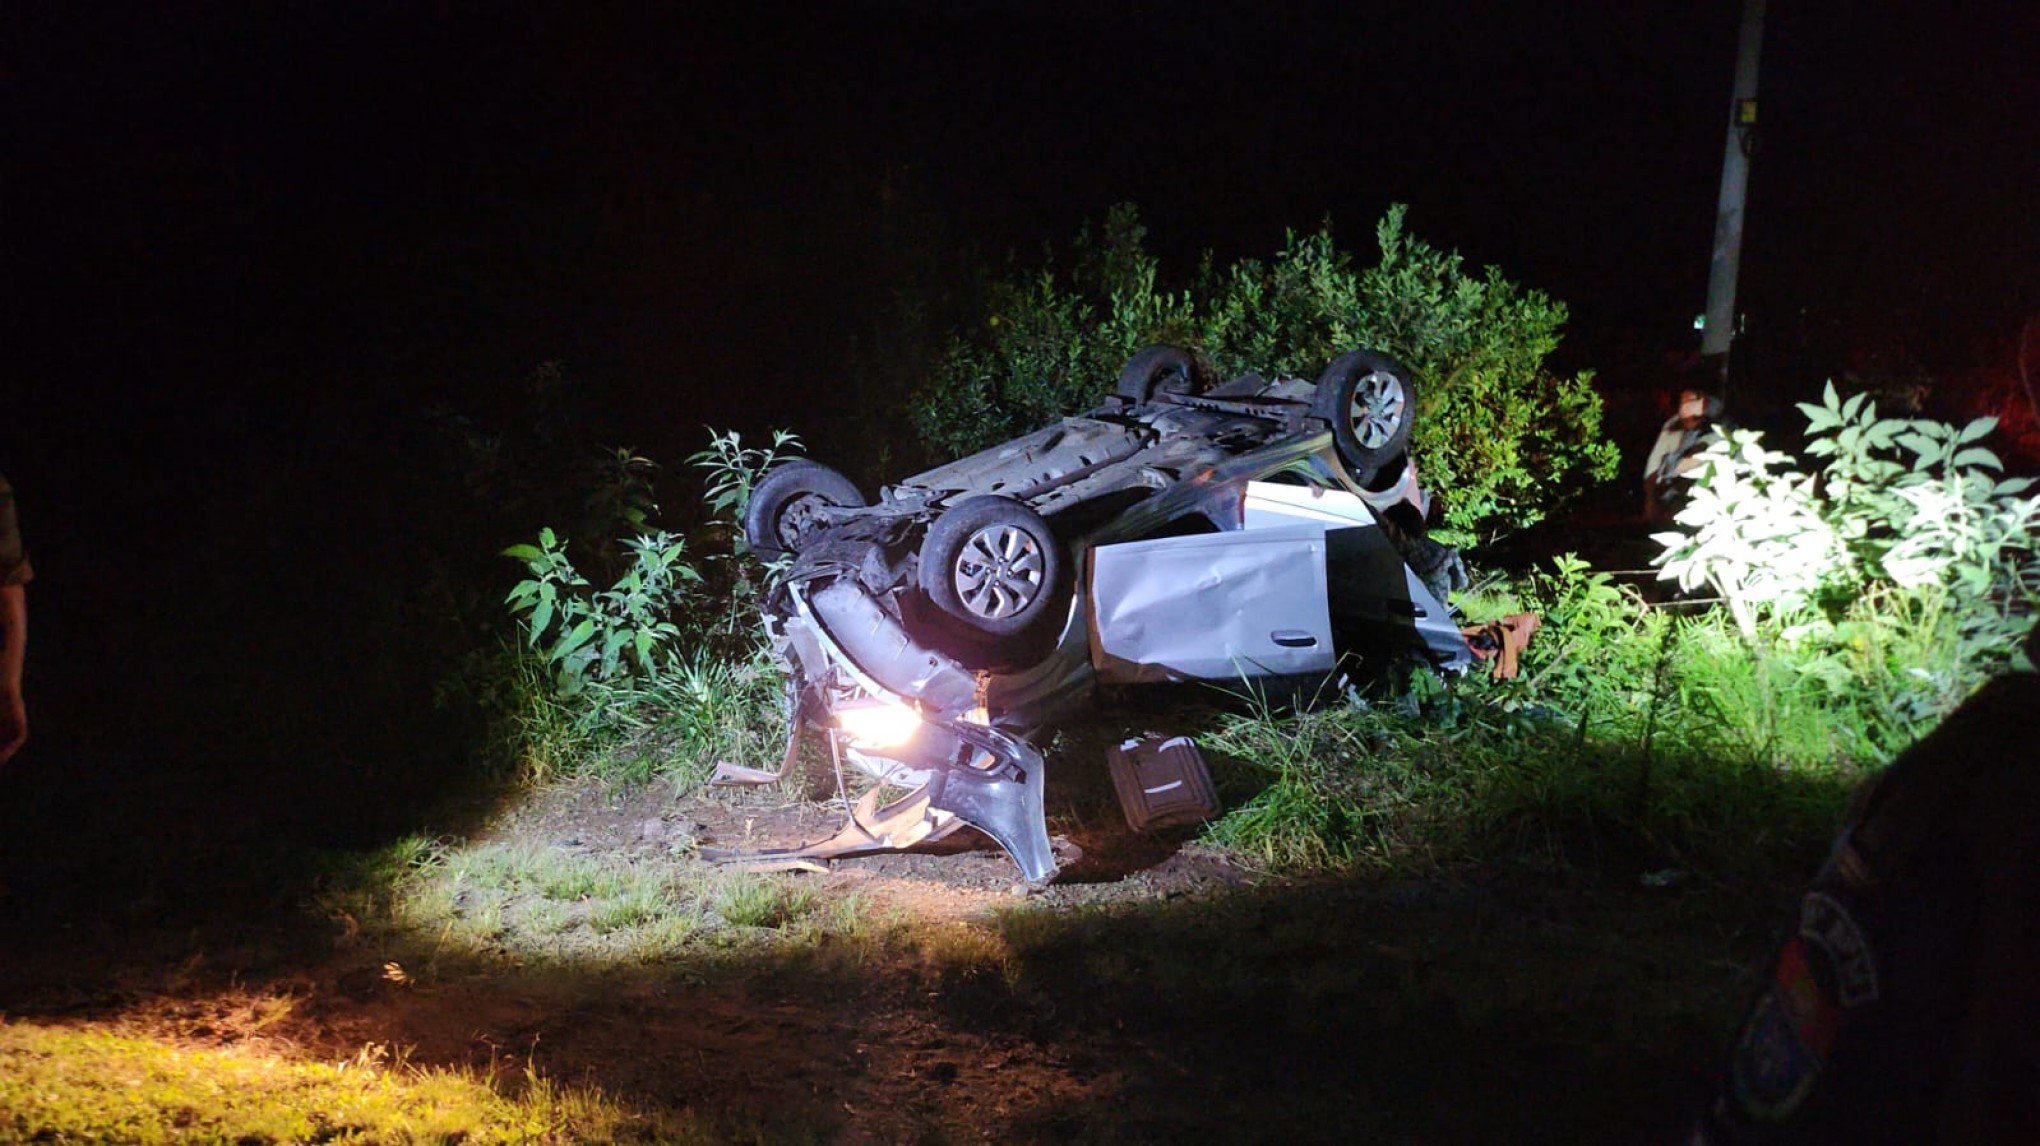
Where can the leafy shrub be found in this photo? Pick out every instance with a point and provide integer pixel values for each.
(663, 670)
(1052, 342)
(733, 468)
(1905, 510)
(1501, 437)
(1757, 534)
(605, 636)
(1942, 517)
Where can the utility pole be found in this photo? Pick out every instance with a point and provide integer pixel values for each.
(1718, 331)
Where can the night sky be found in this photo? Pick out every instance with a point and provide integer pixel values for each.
(246, 248)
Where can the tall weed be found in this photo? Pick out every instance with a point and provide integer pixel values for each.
(615, 635)
(735, 579)
(1635, 738)
(662, 671)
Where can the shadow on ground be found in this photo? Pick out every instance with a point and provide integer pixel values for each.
(1476, 1004)
(1455, 1007)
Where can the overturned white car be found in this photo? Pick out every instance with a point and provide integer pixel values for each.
(1252, 531)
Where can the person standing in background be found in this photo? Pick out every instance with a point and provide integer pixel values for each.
(1676, 452)
(15, 574)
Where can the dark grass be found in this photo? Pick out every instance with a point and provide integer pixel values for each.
(1462, 1007)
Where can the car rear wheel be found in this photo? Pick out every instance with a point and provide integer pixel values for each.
(787, 506)
(1160, 369)
(1371, 402)
(992, 567)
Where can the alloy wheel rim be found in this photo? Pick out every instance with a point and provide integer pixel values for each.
(999, 572)
(1379, 403)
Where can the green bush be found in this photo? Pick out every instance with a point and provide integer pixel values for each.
(1635, 737)
(1755, 534)
(663, 671)
(1501, 439)
(616, 635)
(1905, 511)
(1052, 340)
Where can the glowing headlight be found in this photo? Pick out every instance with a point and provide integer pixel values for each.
(878, 723)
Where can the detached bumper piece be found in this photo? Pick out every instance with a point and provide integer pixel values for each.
(1162, 783)
(977, 776)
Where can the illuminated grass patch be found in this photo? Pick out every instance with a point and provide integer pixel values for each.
(84, 1085)
(763, 903)
(1634, 737)
(524, 900)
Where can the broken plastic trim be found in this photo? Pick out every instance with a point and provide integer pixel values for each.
(999, 794)
(976, 774)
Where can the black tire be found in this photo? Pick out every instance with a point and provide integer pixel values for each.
(781, 515)
(1371, 402)
(992, 568)
(1160, 369)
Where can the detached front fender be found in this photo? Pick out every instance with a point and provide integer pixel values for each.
(995, 786)
(987, 778)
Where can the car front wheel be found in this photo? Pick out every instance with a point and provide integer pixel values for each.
(1370, 400)
(992, 566)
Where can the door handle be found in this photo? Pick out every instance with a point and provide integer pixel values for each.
(1293, 639)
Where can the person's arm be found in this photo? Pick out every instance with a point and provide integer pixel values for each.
(1666, 442)
(13, 651)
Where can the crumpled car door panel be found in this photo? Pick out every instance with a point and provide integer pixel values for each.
(1212, 606)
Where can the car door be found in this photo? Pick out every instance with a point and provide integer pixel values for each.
(1376, 600)
(1260, 601)
(1212, 606)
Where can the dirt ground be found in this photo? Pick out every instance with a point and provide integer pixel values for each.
(1101, 861)
(856, 1053)
(1156, 992)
